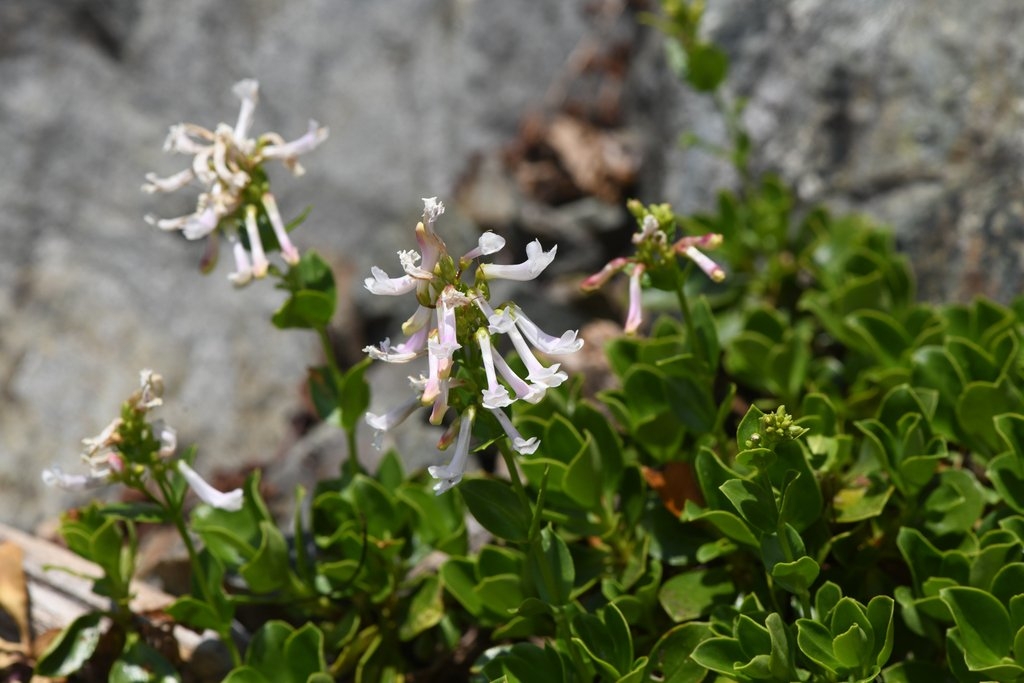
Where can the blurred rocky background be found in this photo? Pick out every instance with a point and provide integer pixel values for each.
(534, 118)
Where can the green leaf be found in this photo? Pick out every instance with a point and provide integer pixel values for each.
(140, 663)
(426, 609)
(955, 505)
(692, 594)
(880, 612)
(853, 648)
(303, 651)
(140, 512)
(354, 395)
(313, 294)
(860, 503)
(196, 614)
(670, 660)
(268, 570)
(1007, 474)
(497, 507)
(459, 578)
(755, 504)
(720, 655)
(72, 648)
(796, 576)
(983, 623)
(815, 641)
(266, 651)
(246, 674)
(706, 66)
(979, 403)
(305, 310)
(582, 481)
(550, 568)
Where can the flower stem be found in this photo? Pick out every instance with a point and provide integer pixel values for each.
(513, 473)
(337, 378)
(684, 308)
(175, 507)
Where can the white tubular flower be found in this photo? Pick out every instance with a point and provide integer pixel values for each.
(417, 320)
(489, 243)
(495, 395)
(169, 184)
(288, 251)
(635, 314)
(531, 393)
(410, 349)
(243, 268)
(521, 445)
(224, 162)
(447, 334)
(432, 210)
(151, 390)
(259, 257)
(200, 224)
(432, 385)
(288, 152)
(168, 439)
(230, 500)
(567, 343)
(451, 474)
(648, 230)
(248, 91)
(56, 477)
(391, 419)
(536, 372)
(382, 283)
(536, 261)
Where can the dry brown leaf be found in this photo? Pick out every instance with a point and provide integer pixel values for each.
(14, 589)
(676, 483)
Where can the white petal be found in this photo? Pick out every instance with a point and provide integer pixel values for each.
(230, 500)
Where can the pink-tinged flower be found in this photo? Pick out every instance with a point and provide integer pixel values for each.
(229, 500)
(531, 393)
(225, 162)
(451, 474)
(288, 251)
(654, 254)
(600, 278)
(635, 314)
(495, 395)
(409, 350)
(536, 261)
(521, 445)
(443, 323)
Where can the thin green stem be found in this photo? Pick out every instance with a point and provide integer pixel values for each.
(337, 376)
(684, 309)
(787, 547)
(513, 473)
(175, 506)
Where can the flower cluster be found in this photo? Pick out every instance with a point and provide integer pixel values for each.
(131, 445)
(235, 198)
(455, 322)
(655, 252)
